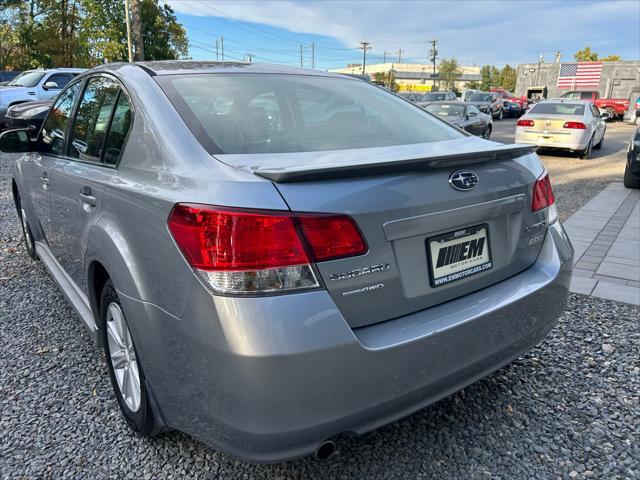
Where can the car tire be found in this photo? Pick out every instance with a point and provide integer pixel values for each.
(630, 180)
(486, 133)
(29, 240)
(598, 145)
(586, 153)
(501, 114)
(127, 377)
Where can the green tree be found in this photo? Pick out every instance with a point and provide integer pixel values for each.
(448, 73)
(587, 55)
(508, 76)
(82, 33)
(485, 74)
(473, 85)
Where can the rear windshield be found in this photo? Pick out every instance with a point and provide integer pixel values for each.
(558, 109)
(481, 97)
(273, 113)
(446, 109)
(434, 97)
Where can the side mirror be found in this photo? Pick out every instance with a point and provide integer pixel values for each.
(14, 141)
(50, 86)
(605, 115)
(472, 114)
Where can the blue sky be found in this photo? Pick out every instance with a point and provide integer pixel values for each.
(473, 31)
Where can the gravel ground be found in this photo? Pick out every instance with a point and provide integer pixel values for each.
(568, 409)
(577, 181)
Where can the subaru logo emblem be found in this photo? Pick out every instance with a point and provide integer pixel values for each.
(463, 180)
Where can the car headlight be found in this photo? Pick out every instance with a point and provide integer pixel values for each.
(34, 111)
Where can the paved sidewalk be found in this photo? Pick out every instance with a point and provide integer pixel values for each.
(606, 236)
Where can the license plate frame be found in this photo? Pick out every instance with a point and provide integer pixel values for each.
(456, 237)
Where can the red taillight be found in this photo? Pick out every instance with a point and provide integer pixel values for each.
(574, 125)
(542, 193)
(525, 123)
(227, 239)
(253, 251)
(331, 236)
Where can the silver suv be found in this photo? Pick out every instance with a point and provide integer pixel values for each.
(271, 257)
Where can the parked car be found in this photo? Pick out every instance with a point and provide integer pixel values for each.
(411, 96)
(508, 96)
(27, 115)
(632, 115)
(6, 76)
(615, 106)
(511, 109)
(437, 97)
(632, 168)
(34, 85)
(272, 256)
(463, 115)
(488, 102)
(467, 94)
(572, 125)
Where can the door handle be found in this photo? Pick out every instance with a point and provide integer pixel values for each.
(87, 198)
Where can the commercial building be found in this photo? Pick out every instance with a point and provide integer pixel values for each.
(613, 79)
(412, 76)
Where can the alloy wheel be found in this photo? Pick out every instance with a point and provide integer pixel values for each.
(123, 357)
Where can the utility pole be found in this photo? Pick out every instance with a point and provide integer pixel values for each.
(250, 56)
(313, 55)
(217, 56)
(136, 23)
(222, 46)
(384, 57)
(365, 46)
(433, 55)
(301, 47)
(128, 21)
(399, 52)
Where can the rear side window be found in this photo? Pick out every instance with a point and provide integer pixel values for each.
(260, 113)
(92, 120)
(120, 125)
(558, 109)
(52, 138)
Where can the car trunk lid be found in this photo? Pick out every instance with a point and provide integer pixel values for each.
(400, 210)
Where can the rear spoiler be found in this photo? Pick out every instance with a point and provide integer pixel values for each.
(303, 173)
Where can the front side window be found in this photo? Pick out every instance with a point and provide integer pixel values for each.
(51, 140)
(254, 113)
(447, 109)
(60, 79)
(92, 120)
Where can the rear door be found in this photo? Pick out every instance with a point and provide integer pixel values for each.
(95, 141)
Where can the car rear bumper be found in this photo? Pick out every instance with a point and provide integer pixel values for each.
(269, 379)
(577, 140)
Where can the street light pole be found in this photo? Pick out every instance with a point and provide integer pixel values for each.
(126, 18)
(434, 55)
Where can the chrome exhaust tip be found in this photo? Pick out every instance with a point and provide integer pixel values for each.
(325, 450)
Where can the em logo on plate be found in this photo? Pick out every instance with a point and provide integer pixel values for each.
(463, 180)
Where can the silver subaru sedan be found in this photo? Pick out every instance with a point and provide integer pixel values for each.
(271, 257)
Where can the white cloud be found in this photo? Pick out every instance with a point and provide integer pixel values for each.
(472, 31)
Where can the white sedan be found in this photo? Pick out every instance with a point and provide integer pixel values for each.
(562, 123)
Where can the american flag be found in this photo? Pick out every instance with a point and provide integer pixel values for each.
(583, 74)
